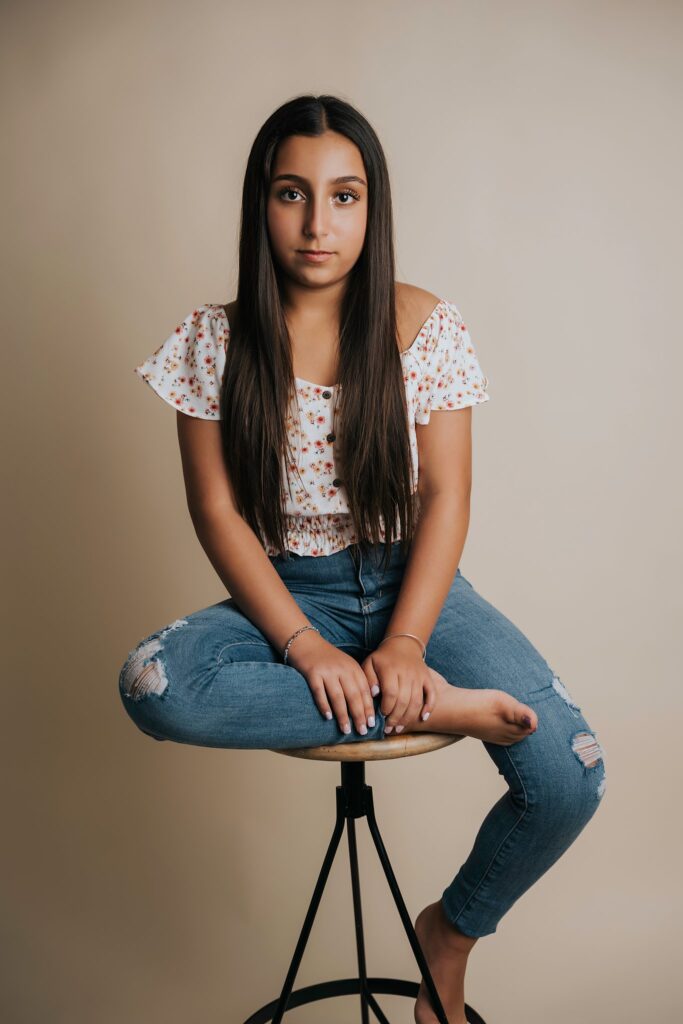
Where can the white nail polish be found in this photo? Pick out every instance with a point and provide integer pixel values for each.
(328, 715)
(347, 728)
(363, 730)
(375, 690)
(371, 720)
(388, 728)
(426, 716)
(399, 728)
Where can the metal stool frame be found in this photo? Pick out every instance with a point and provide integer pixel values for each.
(354, 800)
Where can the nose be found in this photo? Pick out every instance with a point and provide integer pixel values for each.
(317, 220)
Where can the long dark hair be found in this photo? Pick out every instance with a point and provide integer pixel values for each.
(373, 450)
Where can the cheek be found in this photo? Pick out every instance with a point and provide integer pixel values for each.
(353, 233)
(279, 224)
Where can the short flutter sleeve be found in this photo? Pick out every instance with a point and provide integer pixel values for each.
(452, 377)
(187, 369)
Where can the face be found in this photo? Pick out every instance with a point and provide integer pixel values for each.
(317, 201)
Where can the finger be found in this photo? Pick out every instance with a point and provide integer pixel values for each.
(402, 702)
(355, 702)
(388, 726)
(320, 696)
(366, 696)
(412, 712)
(429, 700)
(389, 687)
(373, 681)
(336, 697)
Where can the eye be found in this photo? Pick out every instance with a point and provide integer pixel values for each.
(290, 188)
(349, 192)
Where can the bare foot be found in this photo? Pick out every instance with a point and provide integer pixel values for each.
(446, 951)
(491, 715)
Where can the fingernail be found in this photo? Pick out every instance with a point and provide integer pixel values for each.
(347, 728)
(363, 729)
(388, 728)
(328, 714)
(375, 690)
(371, 720)
(426, 716)
(399, 728)
(526, 720)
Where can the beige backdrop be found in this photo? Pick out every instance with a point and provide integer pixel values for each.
(535, 155)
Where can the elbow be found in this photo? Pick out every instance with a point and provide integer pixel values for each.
(458, 494)
(207, 515)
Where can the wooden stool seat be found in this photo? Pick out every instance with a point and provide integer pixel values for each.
(376, 750)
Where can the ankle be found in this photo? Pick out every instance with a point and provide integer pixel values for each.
(451, 933)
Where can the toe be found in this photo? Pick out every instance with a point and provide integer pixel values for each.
(526, 717)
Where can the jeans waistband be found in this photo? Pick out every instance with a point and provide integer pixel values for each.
(351, 565)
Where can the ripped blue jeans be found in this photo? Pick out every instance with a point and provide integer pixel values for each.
(213, 679)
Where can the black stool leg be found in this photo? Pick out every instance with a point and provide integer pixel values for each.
(405, 916)
(310, 916)
(358, 917)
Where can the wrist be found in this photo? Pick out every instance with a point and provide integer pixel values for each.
(407, 640)
(301, 644)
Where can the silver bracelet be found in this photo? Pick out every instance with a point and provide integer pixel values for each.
(293, 637)
(424, 649)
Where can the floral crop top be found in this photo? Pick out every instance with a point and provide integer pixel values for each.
(440, 371)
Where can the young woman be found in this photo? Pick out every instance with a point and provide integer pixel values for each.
(324, 424)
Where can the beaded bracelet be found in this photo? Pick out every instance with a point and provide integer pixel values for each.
(293, 637)
(424, 649)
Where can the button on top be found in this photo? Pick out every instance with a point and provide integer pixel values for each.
(337, 482)
(331, 437)
(327, 394)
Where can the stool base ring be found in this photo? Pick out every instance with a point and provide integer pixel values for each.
(350, 987)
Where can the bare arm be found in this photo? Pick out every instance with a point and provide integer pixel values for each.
(231, 545)
(445, 482)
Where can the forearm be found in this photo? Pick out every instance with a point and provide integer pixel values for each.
(238, 557)
(434, 557)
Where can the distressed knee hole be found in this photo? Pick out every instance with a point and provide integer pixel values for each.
(560, 688)
(586, 747)
(144, 672)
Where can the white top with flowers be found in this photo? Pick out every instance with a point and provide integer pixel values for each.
(440, 372)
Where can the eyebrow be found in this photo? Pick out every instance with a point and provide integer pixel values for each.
(333, 181)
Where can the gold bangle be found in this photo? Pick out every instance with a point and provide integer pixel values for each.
(424, 649)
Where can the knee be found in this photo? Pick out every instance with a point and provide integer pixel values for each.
(572, 786)
(584, 749)
(143, 673)
(590, 755)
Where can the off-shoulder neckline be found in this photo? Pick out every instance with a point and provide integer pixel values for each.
(404, 352)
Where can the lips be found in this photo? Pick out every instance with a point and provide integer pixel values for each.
(315, 255)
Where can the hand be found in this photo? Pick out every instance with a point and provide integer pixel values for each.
(335, 679)
(407, 686)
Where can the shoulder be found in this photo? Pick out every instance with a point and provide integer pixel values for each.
(414, 307)
(412, 297)
(187, 368)
(203, 325)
